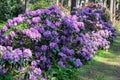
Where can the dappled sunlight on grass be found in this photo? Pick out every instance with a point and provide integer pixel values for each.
(117, 25)
(108, 61)
(99, 71)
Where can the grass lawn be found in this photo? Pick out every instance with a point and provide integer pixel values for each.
(104, 66)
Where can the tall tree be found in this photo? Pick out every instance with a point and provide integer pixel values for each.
(27, 5)
(111, 9)
(105, 3)
(69, 3)
(62, 2)
(114, 9)
(57, 2)
(78, 3)
(86, 2)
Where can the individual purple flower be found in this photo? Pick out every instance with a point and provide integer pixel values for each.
(50, 24)
(43, 58)
(31, 13)
(40, 29)
(42, 78)
(6, 55)
(47, 34)
(27, 53)
(9, 48)
(64, 56)
(2, 49)
(37, 48)
(15, 57)
(63, 38)
(54, 33)
(71, 52)
(57, 24)
(10, 22)
(44, 47)
(33, 77)
(28, 21)
(61, 64)
(64, 49)
(4, 28)
(15, 24)
(107, 47)
(36, 19)
(80, 24)
(78, 63)
(12, 33)
(37, 54)
(33, 63)
(53, 45)
(21, 79)
(37, 71)
(19, 19)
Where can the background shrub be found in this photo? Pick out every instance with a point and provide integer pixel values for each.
(10, 9)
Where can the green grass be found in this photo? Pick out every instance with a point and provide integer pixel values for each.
(104, 66)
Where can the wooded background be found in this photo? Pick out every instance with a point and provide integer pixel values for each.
(11, 8)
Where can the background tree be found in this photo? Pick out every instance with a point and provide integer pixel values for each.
(27, 5)
(57, 2)
(73, 4)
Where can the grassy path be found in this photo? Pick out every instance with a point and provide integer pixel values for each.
(104, 66)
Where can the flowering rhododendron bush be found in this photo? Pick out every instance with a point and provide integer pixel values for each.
(35, 41)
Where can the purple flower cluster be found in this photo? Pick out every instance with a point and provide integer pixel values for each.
(94, 19)
(32, 33)
(7, 53)
(54, 39)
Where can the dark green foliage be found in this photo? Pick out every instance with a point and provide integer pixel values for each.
(10, 9)
(5, 10)
(61, 73)
(6, 77)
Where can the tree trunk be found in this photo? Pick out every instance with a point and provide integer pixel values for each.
(86, 2)
(111, 9)
(57, 2)
(82, 3)
(62, 2)
(114, 9)
(78, 3)
(117, 6)
(69, 3)
(27, 5)
(105, 3)
(73, 4)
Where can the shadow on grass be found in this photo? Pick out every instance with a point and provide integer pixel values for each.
(98, 71)
(115, 47)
